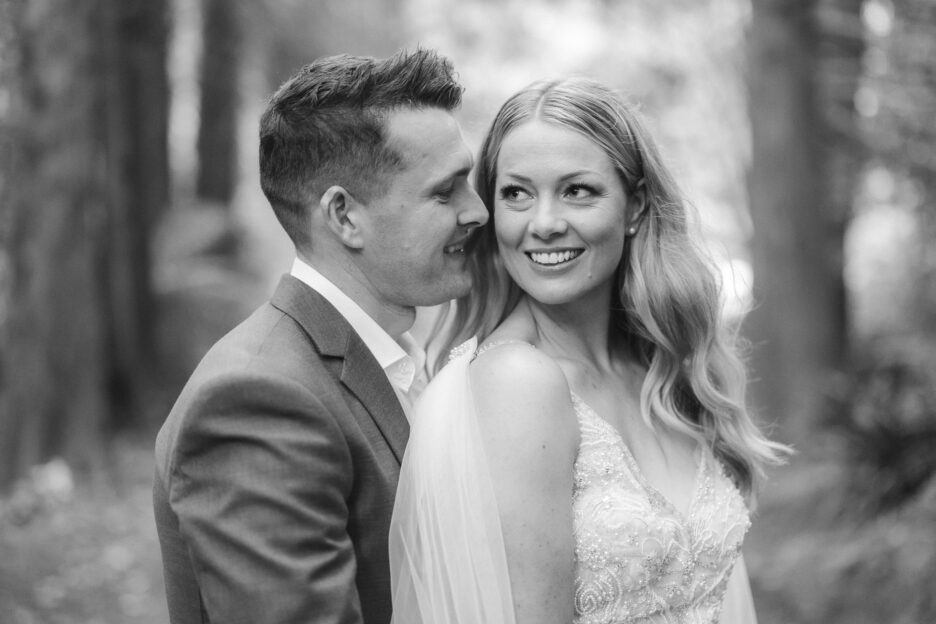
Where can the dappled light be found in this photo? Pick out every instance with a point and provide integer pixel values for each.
(133, 234)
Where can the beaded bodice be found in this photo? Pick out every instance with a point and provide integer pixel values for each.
(638, 558)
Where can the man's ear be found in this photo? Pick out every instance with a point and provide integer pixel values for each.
(637, 206)
(341, 213)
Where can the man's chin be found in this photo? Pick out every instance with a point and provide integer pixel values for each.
(453, 290)
(462, 287)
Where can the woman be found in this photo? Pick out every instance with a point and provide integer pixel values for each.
(592, 461)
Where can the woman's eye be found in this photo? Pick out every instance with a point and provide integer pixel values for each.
(580, 191)
(513, 193)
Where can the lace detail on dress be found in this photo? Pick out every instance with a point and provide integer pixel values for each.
(469, 346)
(638, 558)
(499, 343)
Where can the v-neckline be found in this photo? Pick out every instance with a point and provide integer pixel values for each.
(651, 491)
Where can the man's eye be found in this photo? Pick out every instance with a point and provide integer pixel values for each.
(444, 194)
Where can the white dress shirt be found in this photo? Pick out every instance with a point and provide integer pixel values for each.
(403, 362)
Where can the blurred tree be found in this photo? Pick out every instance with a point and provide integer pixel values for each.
(839, 71)
(222, 43)
(878, 434)
(54, 382)
(898, 99)
(87, 101)
(296, 32)
(801, 183)
(138, 118)
(7, 78)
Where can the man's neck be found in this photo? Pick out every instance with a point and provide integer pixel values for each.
(393, 319)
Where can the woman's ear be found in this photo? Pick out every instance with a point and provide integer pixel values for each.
(340, 212)
(636, 207)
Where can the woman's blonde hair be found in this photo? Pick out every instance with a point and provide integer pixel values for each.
(667, 309)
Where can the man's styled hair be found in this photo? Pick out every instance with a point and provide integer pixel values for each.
(326, 126)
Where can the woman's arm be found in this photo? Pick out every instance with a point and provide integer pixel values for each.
(530, 436)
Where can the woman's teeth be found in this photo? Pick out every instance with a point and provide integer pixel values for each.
(553, 257)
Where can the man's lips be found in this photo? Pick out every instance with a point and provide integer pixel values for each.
(458, 247)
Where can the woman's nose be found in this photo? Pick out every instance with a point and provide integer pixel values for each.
(547, 220)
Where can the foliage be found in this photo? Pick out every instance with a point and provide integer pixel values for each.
(837, 571)
(897, 101)
(898, 95)
(881, 424)
(846, 533)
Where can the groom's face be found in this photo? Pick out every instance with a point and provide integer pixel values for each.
(417, 231)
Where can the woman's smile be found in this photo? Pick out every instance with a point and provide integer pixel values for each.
(553, 257)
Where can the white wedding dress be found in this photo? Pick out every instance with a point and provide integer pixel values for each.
(638, 559)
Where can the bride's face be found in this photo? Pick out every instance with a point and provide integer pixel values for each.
(559, 214)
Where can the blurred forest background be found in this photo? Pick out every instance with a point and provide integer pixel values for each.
(133, 234)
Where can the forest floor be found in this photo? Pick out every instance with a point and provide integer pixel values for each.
(87, 553)
(91, 556)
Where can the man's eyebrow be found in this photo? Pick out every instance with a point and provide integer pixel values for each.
(466, 168)
(463, 171)
(458, 173)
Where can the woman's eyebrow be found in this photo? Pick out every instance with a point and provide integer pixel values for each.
(564, 178)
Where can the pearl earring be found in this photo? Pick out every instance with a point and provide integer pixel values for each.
(631, 230)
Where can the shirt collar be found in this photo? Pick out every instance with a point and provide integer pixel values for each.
(400, 363)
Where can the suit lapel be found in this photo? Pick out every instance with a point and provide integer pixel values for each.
(360, 373)
(366, 379)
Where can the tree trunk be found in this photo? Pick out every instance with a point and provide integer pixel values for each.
(220, 100)
(798, 327)
(138, 97)
(88, 102)
(54, 377)
(841, 52)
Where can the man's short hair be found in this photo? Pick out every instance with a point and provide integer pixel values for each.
(326, 125)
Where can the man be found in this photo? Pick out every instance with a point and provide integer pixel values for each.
(277, 467)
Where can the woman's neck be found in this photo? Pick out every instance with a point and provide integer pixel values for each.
(573, 332)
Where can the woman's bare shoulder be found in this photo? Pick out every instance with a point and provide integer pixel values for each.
(516, 364)
(519, 389)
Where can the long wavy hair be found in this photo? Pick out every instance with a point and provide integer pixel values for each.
(666, 308)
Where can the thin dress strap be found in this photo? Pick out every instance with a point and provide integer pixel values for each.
(499, 343)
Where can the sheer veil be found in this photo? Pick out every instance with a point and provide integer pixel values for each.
(447, 559)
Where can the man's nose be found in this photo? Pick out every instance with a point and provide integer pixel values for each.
(473, 214)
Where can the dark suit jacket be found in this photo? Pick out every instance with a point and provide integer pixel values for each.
(276, 472)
